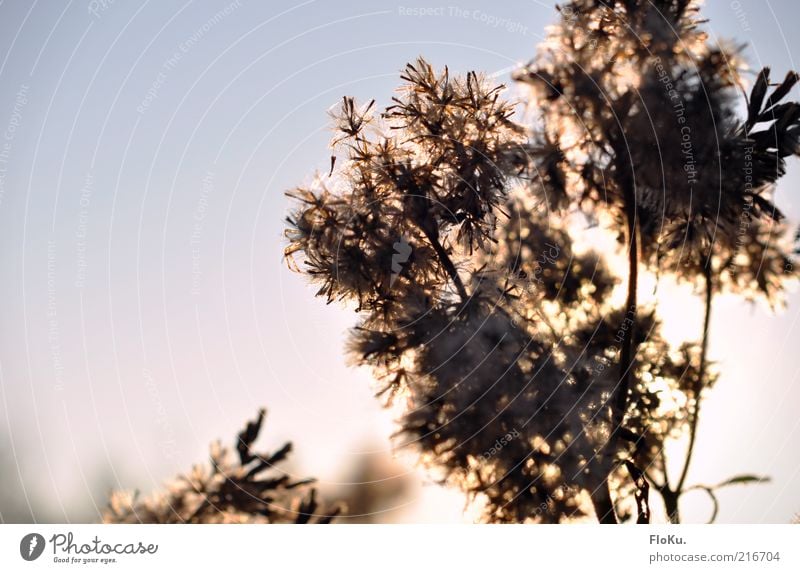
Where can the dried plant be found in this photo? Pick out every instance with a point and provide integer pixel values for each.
(233, 488)
(641, 109)
(452, 231)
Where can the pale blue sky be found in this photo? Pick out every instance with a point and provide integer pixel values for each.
(147, 308)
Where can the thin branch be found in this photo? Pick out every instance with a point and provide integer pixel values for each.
(619, 401)
(603, 506)
(447, 263)
(714, 500)
(695, 416)
(627, 353)
(642, 492)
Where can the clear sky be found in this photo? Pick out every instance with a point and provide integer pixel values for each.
(144, 152)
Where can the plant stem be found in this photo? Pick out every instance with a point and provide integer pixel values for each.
(671, 498)
(601, 496)
(603, 506)
(447, 263)
(695, 415)
(627, 352)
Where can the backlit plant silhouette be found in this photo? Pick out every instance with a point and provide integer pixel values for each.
(454, 232)
(244, 487)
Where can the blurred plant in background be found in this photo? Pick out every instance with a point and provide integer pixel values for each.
(375, 489)
(233, 488)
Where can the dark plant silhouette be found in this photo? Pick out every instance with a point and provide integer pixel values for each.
(641, 107)
(234, 488)
(523, 380)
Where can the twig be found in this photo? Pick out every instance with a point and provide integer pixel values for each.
(447, 263)
(701, 379)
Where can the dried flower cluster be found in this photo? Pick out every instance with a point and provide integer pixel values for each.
(451, 229)
(234, 488)
(639, 114)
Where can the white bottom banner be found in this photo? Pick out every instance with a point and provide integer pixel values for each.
(398, 548)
